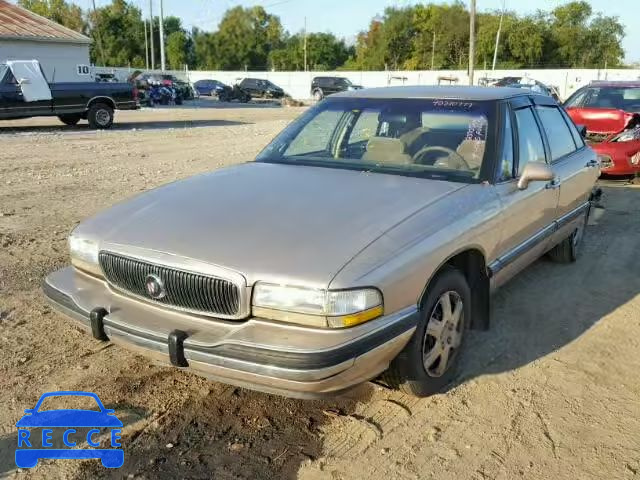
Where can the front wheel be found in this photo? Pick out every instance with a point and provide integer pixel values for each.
(317, 95)
(428, 362)
(70, 119)
(100, 116)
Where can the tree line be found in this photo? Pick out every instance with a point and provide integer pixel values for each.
(420, 37)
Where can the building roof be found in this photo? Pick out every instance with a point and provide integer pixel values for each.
(17, 23)
(447, 92)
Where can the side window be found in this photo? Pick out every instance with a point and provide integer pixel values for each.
(558, 133)
(530, 145)
(365, 127)
(577, 137)
(577, 99)
(506, 161)
(315, 137)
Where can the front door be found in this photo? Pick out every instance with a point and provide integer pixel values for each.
(528, 216)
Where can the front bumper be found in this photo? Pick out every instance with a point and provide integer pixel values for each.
(256, 353)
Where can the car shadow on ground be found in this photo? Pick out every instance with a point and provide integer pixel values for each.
(547, 306)
(230, 433)
(83, 127)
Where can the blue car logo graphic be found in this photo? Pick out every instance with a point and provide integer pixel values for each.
(28, 456)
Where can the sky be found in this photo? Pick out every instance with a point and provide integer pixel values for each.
(346, 18)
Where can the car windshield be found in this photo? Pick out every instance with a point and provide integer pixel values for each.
(344, 81)
(442, 139)
(620, 98)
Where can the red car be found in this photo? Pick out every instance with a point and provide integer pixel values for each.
(610, 111)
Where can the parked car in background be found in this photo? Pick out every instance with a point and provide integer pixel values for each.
(365, 238)
(208, 87)
(25, 92)
(324, 86)
(528, 83)
(257, 87)
(610, 111)
(229, 94)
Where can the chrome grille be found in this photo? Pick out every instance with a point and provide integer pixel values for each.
(183, 290)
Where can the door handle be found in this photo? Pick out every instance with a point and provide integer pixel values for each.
(553, 184)
(592, 164)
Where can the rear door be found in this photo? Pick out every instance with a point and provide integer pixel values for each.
(574, 164)
(528, 216)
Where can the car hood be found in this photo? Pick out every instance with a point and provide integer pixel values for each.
(601, 120)
(69, 418)
(269, 222)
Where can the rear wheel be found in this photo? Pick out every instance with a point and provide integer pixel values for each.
(100, 116)
(428, 362)
(569, 249)
(70, 119)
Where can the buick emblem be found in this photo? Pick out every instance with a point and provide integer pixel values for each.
(154, 287)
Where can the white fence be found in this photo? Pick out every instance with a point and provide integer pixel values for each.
(297, 84)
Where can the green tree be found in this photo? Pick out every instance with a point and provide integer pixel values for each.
(118, 35)
(66, 14)
(324, 52)
(246, 37)
(177, 50)
(449, 25)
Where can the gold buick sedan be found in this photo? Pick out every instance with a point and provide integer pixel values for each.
(366, 239)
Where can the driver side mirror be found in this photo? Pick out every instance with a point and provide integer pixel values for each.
(535, 172)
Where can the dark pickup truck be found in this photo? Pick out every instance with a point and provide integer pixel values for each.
(25, 92)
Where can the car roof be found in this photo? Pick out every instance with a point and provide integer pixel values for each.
(448, 92)
(615, 83)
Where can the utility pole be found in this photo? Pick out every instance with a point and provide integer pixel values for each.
(305, 44)
(472, 39)
(433, 50)
(146, 45)
(495, 50)
(153, 51)
(163, 66)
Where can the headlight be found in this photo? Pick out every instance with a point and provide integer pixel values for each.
(84, 254)
(319, 308)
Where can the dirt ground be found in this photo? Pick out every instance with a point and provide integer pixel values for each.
(552, 391)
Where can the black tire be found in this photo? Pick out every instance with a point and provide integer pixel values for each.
(407, 371)
(568, 251)
(318, 95)
(100, 116)
(178, 100)
(70, 119)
